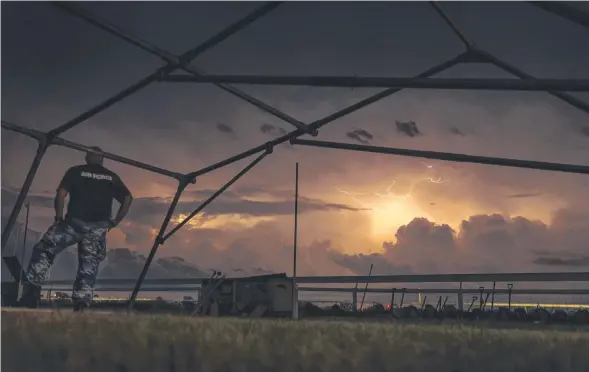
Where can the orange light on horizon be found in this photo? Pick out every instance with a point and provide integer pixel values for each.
(387, 217)
(193, 223)
(233, 220)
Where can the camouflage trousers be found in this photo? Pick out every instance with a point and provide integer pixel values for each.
(91, 241)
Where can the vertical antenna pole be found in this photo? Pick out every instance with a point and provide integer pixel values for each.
(296, 220)
(295, 297)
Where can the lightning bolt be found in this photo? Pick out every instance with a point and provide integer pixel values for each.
(389, 193)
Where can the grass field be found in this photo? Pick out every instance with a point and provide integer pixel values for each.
(71, 342)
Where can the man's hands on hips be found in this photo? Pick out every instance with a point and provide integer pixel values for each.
(112, 223)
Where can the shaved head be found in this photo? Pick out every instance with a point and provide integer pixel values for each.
(93, 158)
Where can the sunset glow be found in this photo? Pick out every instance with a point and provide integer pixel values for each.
(393, 206)
(387, 217)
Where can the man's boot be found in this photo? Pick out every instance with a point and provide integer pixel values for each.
(80, 305)
(31, 296)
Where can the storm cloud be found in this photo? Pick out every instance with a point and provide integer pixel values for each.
(224, 128)
(360, 135)
(524, 195)
(407, 128)
(576, 262)
(272, 130)
(456, 131)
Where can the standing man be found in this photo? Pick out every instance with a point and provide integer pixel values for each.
(91, 188)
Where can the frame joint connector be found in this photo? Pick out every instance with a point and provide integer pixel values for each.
(186, 180)
(161, 75)
(473, 55)
(48, 139)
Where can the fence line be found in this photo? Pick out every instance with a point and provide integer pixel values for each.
(383, 279)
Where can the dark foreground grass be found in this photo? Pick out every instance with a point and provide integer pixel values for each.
(117, 343)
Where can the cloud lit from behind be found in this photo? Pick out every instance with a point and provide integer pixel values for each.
(224, 221)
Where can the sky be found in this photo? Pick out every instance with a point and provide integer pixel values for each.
(403, 215)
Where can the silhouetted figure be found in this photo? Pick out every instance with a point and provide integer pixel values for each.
(91, 188)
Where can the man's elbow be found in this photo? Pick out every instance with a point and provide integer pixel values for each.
(60, 195)
(129, 199)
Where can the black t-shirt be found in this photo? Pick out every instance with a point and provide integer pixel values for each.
(91, 189)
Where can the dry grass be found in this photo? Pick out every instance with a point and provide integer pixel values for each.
(89, 342)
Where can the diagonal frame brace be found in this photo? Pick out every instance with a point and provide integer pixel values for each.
(42, 146)
(486, 56)
(162, 236)
(468, 44)
(561, 9)
(157, 242)
(215, 195)
(177, 61)
(565, 97)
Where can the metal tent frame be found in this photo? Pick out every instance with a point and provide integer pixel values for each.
(472, 54)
